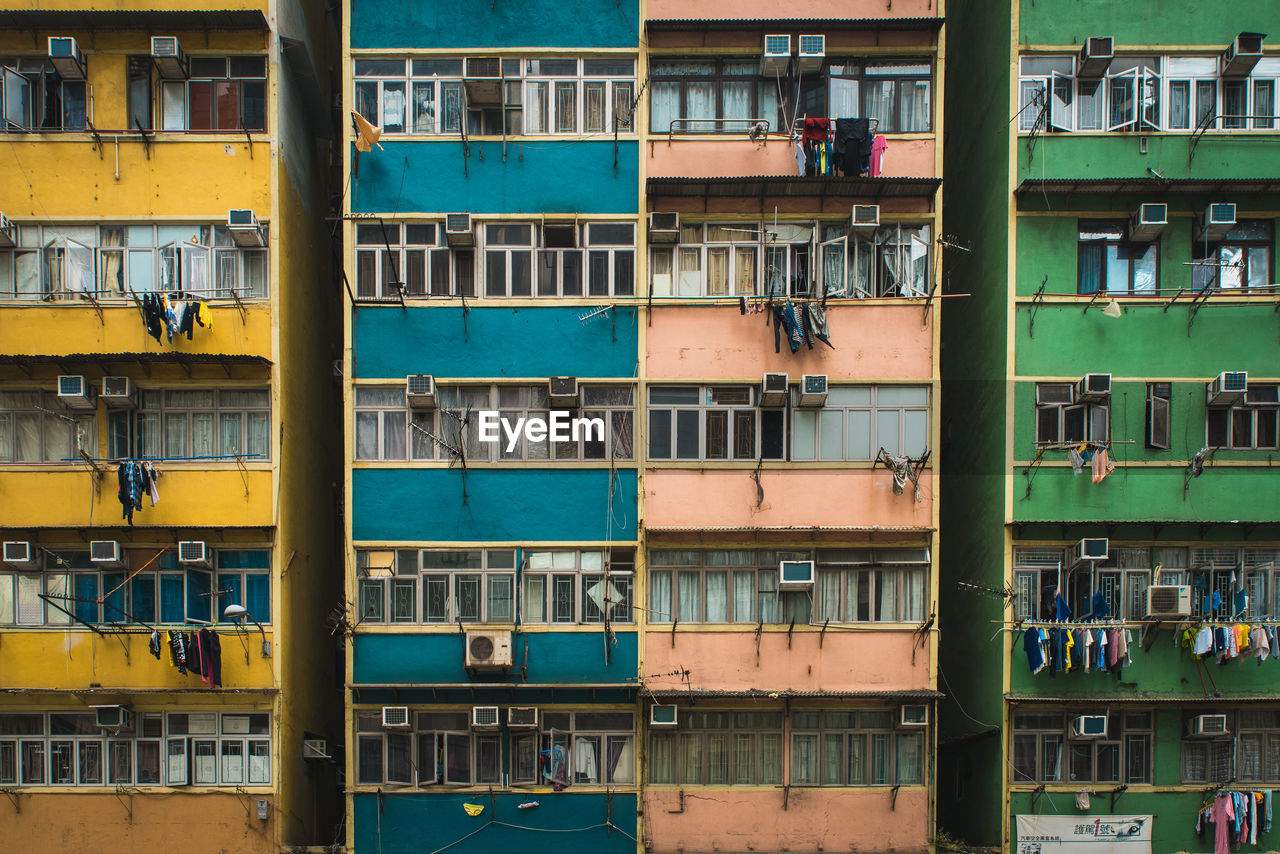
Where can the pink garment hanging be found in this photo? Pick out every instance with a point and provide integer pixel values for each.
(878, 146)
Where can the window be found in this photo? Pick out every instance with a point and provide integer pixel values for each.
(244, 578)
(718, 748)
(1240, 261)
(854, 748)
(1159, 404)
(1059, 419)
(897, 93)
(1249, 752)
(35, 98)
(227, 93)
(470, 586)
(570, 587)
(1109, 263)
(515, 267)
(576, 748)
(381, 415)
(562, 95)
(713, 423)
(201, 748)
(710, 96)
(871, 585)
(393, 256)
(1045, 750)
(723, 586)
(36, 428)
(857, 421)
(195, 423)
(892, 261)
(1252, 423)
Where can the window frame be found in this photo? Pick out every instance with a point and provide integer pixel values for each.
(699, 727)
(1245, 425)
(1133, 254)
(1248, 249)
(48, 413)
(180, 94)
(1124, 730)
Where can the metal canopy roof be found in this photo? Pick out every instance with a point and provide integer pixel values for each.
(757, 693)
(1147, 186)
(815, 24)
(133, 19)
(761, 186)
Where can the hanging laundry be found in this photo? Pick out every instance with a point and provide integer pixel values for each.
(1197, 462)
(153, 315)
(170, 317)
(204, 317)
(1077, 461)
(1102, 465)
(178, 652)
(903, 470)
(187, 318)
(802, 159)
(817, 323)
(1031, 644)
(878, 146)
(1062, 611)
(192, 642)
(153, 644)
(853, 146)
(150, 475)
(129, 492)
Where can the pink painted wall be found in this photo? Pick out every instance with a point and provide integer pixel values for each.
(818, 497)
(846, 661)
(872, 341)
(752, 819)
(706, 9)
(739, 156)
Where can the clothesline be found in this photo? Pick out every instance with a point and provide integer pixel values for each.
(1018, 625)
(161, 459)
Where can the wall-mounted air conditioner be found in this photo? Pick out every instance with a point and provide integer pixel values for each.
(1089, 549)
(245, 228)
(113, 718)
(488, 650)
(170, 61)
(522, 717)
(8, 233)
(795, 575)
(482, 80)
(914, 716)
(813, 390)
(664, 714)
(1227, 388)
(75, 392)
(457, 229)
(1168, 601)
(812, 52)
(563, 391)
(1242, 55)
(664, 227)
(1215, 221)
(1089, 726)
(1207, 726)
(67, 60)
(1148, 221)
(1095, 57)
(866, 216)
(777, 54)
(774, 389)
(1093, 388)
(194, 553)
(395, 717)
(106, 554)
(485, 717)
(316, 748)
(117, 393)
(18, 554)
(420, 389)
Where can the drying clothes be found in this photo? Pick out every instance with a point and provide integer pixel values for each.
(1197, 462)
(1077, 461)
(204, 317)
(1102, 466)
(153, 315)
(194, 662)
(878, 146)
(149, 476)
(178, 652)
(187, 318)
(816, 323)
(170, 317)
(1222, 816)
(153, 644)
(1031, 641)
(214, 647)
(1203, 644)
(1061, 610)
(1100, 610)
(802, 159)
(853, 146)
(129, 492)
(817, 129)
(902, 470)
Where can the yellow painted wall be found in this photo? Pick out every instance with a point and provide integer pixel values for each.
(74, 327)
(133, 5)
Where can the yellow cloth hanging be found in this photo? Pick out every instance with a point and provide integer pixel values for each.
(473, 810)
(204, 316)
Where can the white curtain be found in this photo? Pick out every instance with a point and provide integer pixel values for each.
(690, 604)
(717, 597)
(660, 597)
(664, 106)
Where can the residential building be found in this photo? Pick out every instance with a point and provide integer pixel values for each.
(166, 152)
(1114, 175)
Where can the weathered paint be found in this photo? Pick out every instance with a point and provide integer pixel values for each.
(501, 504)
(837, 660)
(806, 497)
(815, 819)
(540, 23)
(538, 341)
(871, 342)
(572, 658)
(706, 158)
(44, 329)
(748, 9)
(1168, 22)
(532, 176)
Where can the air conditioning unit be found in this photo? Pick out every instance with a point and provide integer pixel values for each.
(113, 718)
(315, 748)
(106, 553)
(522, 717)
(65, 55)
(421, 391)
(664, 715)
(1229, 387)
(914, 716)
(812, 52)
(774, 389)
(245, 228)
(1095, 57)
(19, 555)
(395, 717)
(488, 650)
(866, 216)
(457, 230)
(664, 227)
(1166, 601)
(8, 233)
(485, 717)
(1089, 726)
(777, 54)
(1207, 726)
(194, 553)
(170, 61)
(563, 391)
(117, 393)
(813, 390)
(1093, 388)
(482, 80)
(75, 392)
(1242, 55)
(1089, 549)
(1216, 221)
(795, 575)
(1148, 221)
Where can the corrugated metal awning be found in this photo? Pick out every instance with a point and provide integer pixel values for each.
(793, 186)
(1103, 701)
(922, 695)
(861, 529)
(133, 19)
(1147, 186)
(807, 24)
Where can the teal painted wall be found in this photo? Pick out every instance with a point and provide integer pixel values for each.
(1139, 22)
(403, 823)
(391, 342)
(534, 23)
(1076, 155)
(503, 505)
(553, 657)
(546, 176)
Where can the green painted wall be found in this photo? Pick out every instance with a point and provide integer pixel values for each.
(1117, 155)
(1138, 22)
